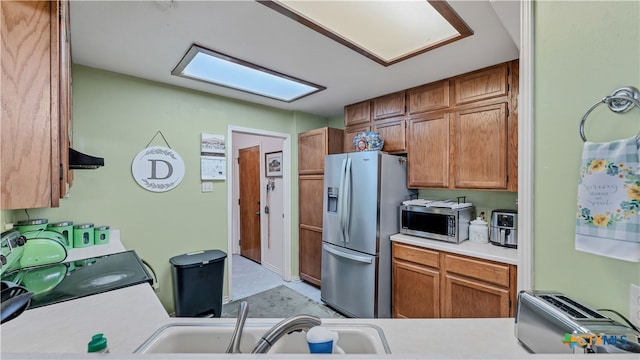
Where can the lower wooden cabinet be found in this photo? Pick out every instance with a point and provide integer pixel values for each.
(477, 288)
(310, 243)
(415, 282)
(436, 284)
(310, 232)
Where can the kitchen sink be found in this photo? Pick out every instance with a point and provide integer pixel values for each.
(214, 338)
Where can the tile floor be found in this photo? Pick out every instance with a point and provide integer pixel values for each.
(250, 278)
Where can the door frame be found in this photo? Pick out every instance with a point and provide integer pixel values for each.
(526, 125)
(286, 184)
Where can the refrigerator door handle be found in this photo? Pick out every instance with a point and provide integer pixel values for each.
(341, 198)
(347, 200)
(362, 259)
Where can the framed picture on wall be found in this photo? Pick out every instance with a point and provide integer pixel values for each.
(273, 164)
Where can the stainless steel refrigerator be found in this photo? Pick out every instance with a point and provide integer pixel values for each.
(362, 195)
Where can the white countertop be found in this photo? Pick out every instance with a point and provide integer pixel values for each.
(127, 317)
(482, 251)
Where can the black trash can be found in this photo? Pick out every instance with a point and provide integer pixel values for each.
(197, 283)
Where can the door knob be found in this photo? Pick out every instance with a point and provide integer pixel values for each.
(258, 213)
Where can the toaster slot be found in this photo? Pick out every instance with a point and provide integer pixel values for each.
(582, 308)
(563, 307)
(571, 307)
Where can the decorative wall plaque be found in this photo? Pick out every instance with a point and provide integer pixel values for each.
(158, 168)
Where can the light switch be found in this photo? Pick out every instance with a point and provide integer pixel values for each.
(207, 186)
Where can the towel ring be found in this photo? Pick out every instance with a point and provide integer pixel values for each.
(622, 100)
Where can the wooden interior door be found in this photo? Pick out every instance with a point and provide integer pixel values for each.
(249, 176)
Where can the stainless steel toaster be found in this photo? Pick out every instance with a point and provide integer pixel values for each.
(548, 322)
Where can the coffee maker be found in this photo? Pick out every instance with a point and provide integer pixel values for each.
(504, 228)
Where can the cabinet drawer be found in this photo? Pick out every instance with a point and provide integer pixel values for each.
(389, 106)
(482, 84)
(478, 269)
(416, 255)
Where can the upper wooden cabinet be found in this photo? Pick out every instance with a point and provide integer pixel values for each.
(428, 97)
(479, 142)
(35, 103)
(389, 106)
(385, 115)
(314, 145)
(458, 133)
(471, 143)
(350, 132)
(357, 114)
(393, 134)
(428, 155)
(482, 84)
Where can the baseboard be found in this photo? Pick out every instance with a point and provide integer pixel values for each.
(272, 268)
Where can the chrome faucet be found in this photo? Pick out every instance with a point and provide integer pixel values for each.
(234, 344)
(284, 327)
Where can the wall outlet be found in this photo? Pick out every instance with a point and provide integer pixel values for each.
(483, 214)
(634, 304)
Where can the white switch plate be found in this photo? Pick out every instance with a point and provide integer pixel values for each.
(634, 304)
(207, 186)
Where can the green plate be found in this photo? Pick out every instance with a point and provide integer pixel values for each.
(42, 251)
(44, 279)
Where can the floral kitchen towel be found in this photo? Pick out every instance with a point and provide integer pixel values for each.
(608, 216)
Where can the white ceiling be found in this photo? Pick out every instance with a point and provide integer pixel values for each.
(147, 39)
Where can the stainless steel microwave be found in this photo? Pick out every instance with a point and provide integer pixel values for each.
(436, 223)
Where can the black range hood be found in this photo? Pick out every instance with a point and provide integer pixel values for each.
(78, 160)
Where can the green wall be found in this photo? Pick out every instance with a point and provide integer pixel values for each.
(583, 51)
(115, 116)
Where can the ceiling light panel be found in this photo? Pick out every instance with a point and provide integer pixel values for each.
(219, 69)
(385, 31)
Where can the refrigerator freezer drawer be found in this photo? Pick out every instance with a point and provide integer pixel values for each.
(349, 281)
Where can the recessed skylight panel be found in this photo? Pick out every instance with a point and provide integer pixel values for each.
(219, 69)
(385, 31)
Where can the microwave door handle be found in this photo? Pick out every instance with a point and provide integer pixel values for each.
(347, 200)
(362, 259)
(343, 169)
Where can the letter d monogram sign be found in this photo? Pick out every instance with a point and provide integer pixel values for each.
(158, 168)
